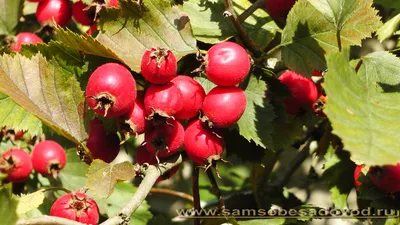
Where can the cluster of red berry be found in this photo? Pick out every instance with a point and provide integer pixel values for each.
(47, 158)
(62, 12)
(111, 93)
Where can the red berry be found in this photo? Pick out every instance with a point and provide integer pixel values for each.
(48, 158)
(357, 173)
(35, 0)
(112, 3)
(158, 65)
(386, 178)
(304, 91)
(111, 90)
(164, 139)
(192, 96)
(316, 73)
(143, 156)
(24, 38)
(227, 64)
(164, 100)
(60, 10)
(102, 145)
(134, 122)
(92, 30)
(223, 106)
(279, 8)
(82, 16)
(76, 206)
(202, 144)
(17, 164)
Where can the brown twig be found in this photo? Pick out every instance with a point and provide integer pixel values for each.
(216, 189)
(247, 40)
(151, 175)
(196, 192)
(172, 193)
(249, 11)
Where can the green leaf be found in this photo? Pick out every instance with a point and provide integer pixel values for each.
(8, 206)
(205, 83)
(85, 44)
(9, 15)
(29, 202)
(256, 121)
(263, 222)
(120, 197)
(102, 176)
(361, 106)
(387, 30)
(130, 30)
(17, 117)
(70, 59)
(394, 4)
(46, 90)
(73, 176)
(315, 28)
(210, 26)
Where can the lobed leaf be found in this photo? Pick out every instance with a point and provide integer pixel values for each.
(256, 122)
(131, 29)
(13, 115)
(210, 25)
(30, 202)
(102, 176)
(46, 90)
(361, 106)
(315, 28)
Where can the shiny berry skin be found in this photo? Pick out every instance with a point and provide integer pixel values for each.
(304, 92)
(134, 122)
(164, 100)
(357, 173)
(158, 65)
(223, 106)
(48, 158)
(316, 73)
(111, 90)
(84, 17)
(386, 178)
(202, 144)
(24, 38)
(227, 64)
(102, 145)
(164, 139)
(112, 3)
(60, 10)
(193, 96)
(76, 206)
(279, 9)
(17, 164)
(143, 156)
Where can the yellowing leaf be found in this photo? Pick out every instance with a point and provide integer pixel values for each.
(29, 202)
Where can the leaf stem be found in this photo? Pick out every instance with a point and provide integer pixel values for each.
(247, 40)
(216, 189)
(172, 193)
(249, 11)
(196, 192)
